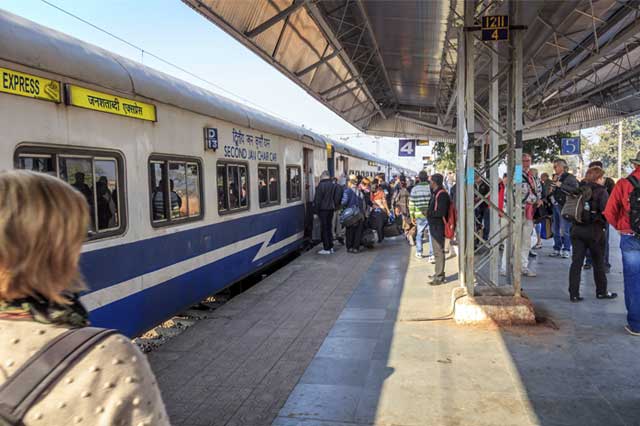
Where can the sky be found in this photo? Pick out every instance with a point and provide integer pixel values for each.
(173, 31)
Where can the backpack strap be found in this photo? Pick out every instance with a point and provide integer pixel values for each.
(634, 181)
(26, 385)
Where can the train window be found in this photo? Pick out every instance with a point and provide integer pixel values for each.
(294, 184)
(232, 185)
(176, 190)
(98, 176)
(269, 185)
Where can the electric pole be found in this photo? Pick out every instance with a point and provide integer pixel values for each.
(620, 149)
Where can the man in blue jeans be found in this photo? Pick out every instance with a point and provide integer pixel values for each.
(418, 207)
(564, 183)
(623, 213)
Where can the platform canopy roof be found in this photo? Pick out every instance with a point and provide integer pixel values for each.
(389, 67)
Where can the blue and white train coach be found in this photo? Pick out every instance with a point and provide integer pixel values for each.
(189, 192)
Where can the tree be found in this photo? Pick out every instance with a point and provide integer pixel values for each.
(445, 156)
(606, 149)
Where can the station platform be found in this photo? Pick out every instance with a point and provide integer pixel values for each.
(338, 341)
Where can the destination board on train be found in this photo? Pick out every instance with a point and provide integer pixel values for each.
(104, 102)
(495, 28)
(28, 85)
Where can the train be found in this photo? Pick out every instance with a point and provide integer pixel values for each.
(189, 192)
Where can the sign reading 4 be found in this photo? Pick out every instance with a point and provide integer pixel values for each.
(407, 148)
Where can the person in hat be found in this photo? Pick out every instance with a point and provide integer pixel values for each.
(625, 220)
(325, 202)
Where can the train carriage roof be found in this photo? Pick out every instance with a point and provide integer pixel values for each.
(35, 46)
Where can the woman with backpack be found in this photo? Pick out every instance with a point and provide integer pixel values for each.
(101, 377)
(353, 200)
(588, 233)
(380, 212)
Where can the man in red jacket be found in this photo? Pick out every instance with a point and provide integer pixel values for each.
(618, 214)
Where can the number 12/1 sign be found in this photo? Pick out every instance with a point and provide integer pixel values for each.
(495, 28)
(407, 148)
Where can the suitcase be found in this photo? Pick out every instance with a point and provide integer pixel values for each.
(369, 238)
(392, 230)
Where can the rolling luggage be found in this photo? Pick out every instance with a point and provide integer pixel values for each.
(369, 237)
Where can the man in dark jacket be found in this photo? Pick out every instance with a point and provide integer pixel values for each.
(608, 184)
(565, 183)
(325, 203)
(438, 210)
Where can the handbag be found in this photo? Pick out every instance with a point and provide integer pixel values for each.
(351, 216)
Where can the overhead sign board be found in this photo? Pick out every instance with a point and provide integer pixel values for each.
(104, 102)
(423, 142)
(407, 148)
(210, 138)
(30, 86)
(570, 146)
(426, 158)
(495, 28)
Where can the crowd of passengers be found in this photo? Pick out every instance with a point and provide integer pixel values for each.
(353, 209)
(57, 370)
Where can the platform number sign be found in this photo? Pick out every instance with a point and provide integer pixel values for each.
(495, 28)
(210, 138)
(407, 148)
(570, 146)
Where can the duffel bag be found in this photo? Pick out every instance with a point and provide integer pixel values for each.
(351, 216)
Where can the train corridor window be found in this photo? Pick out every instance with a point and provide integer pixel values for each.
(294, 184)
(232, 186)
(176, 190)
(269, 185)
(97, 176)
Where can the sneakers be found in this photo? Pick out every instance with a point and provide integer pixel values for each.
(533, 253)
(324, 252)
(419, 255)
(556, 253)
(566, 254)
(632, 331)
(607, 295)
(529, 273)
(432, 259)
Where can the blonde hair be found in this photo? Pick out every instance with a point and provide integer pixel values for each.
(43, 223)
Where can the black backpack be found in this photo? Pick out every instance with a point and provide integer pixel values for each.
(23, 388)
(634, 202)
(576, 207)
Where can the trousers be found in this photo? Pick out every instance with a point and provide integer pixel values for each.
(561, 230)
(630, 247)
(422, 225)
(527, 229)
(592, 238)
(354, 235)
(436, 230)
(326, 231)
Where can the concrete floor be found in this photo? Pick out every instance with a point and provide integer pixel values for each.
(334, 341)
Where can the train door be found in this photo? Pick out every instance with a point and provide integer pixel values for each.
(307, 166)
(308, 192)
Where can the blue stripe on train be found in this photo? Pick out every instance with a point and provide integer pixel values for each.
(143, 310)
(106, 267)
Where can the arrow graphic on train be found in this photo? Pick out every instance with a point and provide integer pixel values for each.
(126, 288)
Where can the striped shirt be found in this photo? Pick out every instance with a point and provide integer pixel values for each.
(419, 200)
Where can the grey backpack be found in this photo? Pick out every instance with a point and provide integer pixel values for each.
(23, 388)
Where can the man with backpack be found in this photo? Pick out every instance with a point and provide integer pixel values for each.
(623, 213)
(438, 211)
(563, 184)
(419, 207)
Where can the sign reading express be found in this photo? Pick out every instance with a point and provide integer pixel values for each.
(30, 86)
(104, 102)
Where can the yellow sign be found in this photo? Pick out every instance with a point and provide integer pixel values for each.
(30, 86)
(423, 142)
(372, 163)
(329, 150)
(104, 102)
